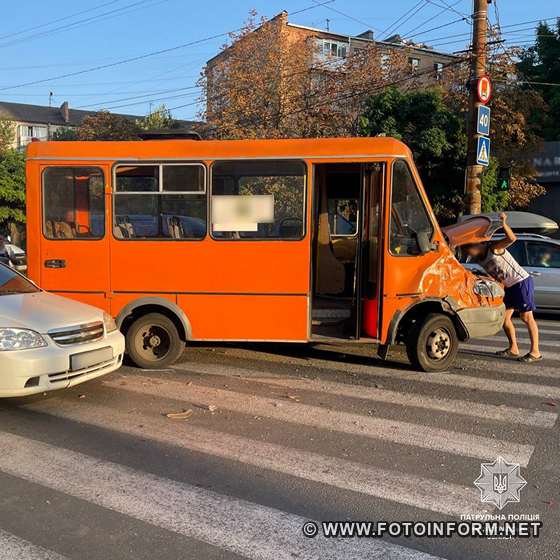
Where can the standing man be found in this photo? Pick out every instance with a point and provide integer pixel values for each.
(519, 289)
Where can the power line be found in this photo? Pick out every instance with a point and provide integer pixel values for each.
(79, 23)
(137, 96)
(449, 7)
(436, 41)
(98, 7)
(529, 82)
(119, 62)
(137, 58)
(407, 36)
(395, 23)
(421, 7)
(348, 16)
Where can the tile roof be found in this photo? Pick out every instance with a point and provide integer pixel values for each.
(40, 114)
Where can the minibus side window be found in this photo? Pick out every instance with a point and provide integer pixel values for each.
(73, 203)
(160, 201)
(258, 199)
(409, 217)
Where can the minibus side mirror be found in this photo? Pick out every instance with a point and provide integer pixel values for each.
(424, 242)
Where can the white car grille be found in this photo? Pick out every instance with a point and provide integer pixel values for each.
(78, 334)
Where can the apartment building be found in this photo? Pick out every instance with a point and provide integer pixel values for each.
(428, 63)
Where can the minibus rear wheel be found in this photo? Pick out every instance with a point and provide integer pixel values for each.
(152, 341)
(433, 343)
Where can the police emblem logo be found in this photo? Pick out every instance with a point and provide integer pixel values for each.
(500, 482)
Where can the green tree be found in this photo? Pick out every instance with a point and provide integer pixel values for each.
(7, 134)
(158, 119)
(107, 126)
(65, 134)
(434, 132)
(12, 191)
(541, 63)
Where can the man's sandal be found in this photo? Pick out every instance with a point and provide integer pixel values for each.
(529, 358)
(506, 354)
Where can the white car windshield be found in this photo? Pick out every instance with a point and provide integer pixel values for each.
(13, 283)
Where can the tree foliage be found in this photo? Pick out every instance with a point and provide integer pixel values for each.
(433, 124)
(269, 83)
(541, 63)
(7, 135)
(433, 131)
(66, 133)
(107, 126)
(159, 118)
(12, 189)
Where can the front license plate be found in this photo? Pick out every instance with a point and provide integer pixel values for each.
(91, 358)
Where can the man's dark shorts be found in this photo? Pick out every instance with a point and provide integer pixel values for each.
(521, 296)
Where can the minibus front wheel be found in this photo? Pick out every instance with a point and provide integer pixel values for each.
(153, 341)
(433, 343)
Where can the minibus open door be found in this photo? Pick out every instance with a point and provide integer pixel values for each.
(368, 278)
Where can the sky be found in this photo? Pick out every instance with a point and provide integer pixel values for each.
(42, 41)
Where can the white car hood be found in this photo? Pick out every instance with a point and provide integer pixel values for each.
(42, 312)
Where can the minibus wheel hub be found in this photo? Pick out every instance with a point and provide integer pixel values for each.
(439, 344)
(154, 342)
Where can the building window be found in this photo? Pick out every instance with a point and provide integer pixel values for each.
(414, 63)
(29, 132)
(384, 61)
(334, 49)
(73, 203)
(258, 200)
(160, 201)
(409, 218)
(438, 69)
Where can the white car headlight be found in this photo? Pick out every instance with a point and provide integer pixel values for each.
(19, 339)
(488, 288)
(109, 322)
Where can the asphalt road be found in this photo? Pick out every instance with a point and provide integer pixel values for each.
(275, 436)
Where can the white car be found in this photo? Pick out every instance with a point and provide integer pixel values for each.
(48, 342)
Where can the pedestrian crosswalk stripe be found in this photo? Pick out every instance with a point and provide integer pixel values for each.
(500, 413)
(404, 433)
(500, 343)
(393, 485)
(15, 548)
(483, 361)
(545, 323)
(254, 531)
(511, 365)
(377, 369)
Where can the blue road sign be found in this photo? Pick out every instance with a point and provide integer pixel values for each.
(483, 151)
(483, 120)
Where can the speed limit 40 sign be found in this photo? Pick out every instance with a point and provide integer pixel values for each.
(484, 89)
(483, 120)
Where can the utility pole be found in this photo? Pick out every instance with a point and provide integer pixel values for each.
(473, 175)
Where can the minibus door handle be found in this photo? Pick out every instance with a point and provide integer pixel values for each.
(55, 263)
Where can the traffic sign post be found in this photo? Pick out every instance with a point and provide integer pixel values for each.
(483, 120)
(483, 151)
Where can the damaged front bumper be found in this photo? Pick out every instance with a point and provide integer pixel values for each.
(482, 321)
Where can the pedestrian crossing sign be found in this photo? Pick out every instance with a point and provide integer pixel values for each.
(483, 151)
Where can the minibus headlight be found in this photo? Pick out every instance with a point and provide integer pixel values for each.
(488, 288)
(109, 322)
(20, 339)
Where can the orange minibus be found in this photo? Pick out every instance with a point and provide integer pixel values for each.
(292, 240)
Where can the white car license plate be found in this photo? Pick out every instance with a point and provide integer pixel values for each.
(91, 358)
